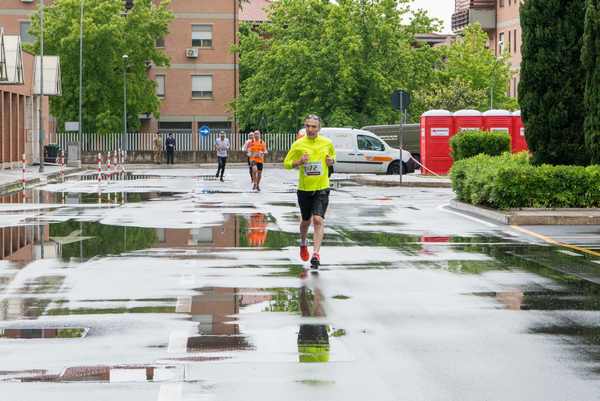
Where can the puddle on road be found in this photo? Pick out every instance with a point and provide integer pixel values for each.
(217, 311)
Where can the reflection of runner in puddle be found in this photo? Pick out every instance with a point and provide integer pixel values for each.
(313, 339)
(257, 230)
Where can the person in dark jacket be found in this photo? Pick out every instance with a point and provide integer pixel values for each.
(170, 145)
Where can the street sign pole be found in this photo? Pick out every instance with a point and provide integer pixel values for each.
(401, 101)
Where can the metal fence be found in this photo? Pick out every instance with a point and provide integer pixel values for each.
(184, 141)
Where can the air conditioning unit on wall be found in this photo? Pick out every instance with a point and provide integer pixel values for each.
(192, 52)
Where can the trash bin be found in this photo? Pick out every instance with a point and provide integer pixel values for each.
(51, 153)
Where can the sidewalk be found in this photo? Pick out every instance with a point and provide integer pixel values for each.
(408, 180)
(11, 179)
(531, 217)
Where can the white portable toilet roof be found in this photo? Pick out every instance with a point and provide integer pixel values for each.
(468, 113)
(497, 113)
(517, 113)
(437, 113)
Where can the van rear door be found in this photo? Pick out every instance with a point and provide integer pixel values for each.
(344, 144)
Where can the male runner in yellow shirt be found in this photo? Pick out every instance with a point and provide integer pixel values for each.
(313, 155)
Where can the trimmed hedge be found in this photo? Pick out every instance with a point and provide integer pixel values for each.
(510, 181)
(471, 143)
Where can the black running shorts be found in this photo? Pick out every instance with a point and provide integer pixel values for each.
(313, 203)
(259, 166)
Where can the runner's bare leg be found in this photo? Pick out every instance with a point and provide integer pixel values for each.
(319, 229)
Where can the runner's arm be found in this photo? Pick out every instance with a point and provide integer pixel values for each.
(292, 158)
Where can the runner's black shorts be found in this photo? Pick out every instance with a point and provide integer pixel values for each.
(313, 203)
(259, 166)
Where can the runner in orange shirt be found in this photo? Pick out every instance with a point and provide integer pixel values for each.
(257, 151)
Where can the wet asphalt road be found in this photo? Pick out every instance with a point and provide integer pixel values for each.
(173, 286)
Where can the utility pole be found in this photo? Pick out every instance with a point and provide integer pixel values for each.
(41, 96)
(125, 58)
(80, 76)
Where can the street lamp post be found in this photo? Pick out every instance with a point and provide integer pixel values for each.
(41, 99)
(80, 75)
(501, 47)
(125, 58)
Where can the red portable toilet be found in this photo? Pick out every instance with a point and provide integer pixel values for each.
(499, 121)
(468, 120)
(519, 143)
(437, 126)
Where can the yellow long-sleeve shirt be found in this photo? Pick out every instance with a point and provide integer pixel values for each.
(313, 175)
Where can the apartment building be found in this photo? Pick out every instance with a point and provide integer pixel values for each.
(202, 80)
(500, 19)
(18, 104)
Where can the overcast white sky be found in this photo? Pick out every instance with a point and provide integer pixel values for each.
(441, 9)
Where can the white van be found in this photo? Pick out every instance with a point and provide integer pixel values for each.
(360, 151)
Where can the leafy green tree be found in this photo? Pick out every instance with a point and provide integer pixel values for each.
(591, 62)
(551, 87)
(464, 76)
(108, 35)
(340, 60)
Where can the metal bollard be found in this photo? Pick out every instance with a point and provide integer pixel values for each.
(99, 168)
(23, 170)
(108, 172)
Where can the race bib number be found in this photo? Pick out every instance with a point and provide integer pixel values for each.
(312, 169)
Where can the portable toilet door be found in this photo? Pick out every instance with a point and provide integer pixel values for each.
(519, 143)
(499, 121)
(468, 120)
(436, 129)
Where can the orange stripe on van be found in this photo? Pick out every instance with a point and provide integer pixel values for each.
(379, 158)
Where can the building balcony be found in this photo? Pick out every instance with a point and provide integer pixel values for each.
(481, 11)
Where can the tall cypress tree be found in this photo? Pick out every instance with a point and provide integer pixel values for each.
(552, 85)
(590, 57)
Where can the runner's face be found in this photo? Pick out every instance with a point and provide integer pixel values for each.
(312, 127)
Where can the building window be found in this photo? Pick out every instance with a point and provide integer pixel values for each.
(509, 41)
(516, 87)
(202, 86)
(202, 36)
(501, 43)
(515, 40)
(160, 42)
(26, 37)
(501, 3)
(160, 85)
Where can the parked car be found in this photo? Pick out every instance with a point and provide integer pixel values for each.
(361, 151)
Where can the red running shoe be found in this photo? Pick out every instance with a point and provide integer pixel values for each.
(304, 255)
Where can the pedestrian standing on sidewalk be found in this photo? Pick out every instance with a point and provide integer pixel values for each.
(245, 150)
(222, 147)
(158, 149)
(170, 144)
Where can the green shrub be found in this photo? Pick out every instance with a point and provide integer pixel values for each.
(510, 181)
(472, 143)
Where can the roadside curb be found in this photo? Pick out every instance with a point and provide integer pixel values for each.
(411, 184)
(531, 217)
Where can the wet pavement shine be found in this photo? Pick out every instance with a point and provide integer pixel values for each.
(169, 285)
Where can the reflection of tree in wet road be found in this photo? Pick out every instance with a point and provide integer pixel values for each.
(107, 240)
(313, 339)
